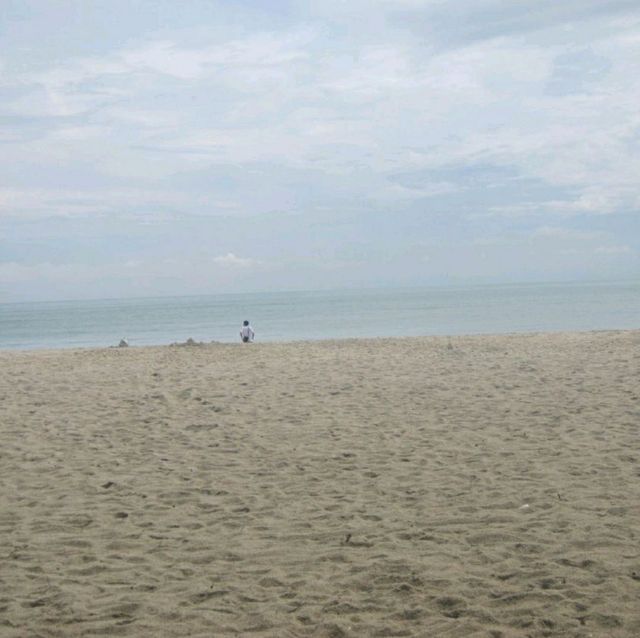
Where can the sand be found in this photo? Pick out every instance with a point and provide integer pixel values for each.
(472, 486)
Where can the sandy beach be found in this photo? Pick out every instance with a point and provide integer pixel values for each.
(471, 486)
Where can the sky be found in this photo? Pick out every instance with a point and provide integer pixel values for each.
(154, 147)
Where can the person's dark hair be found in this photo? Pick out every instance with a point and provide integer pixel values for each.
(245, 323)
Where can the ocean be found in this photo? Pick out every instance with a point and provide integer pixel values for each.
(337, 314)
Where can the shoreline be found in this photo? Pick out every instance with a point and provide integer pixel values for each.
(203, 344)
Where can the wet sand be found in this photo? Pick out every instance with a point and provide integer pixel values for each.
(472, 486)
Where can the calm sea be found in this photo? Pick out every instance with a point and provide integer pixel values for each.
(288, 316)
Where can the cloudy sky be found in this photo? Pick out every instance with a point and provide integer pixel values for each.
(152, 147)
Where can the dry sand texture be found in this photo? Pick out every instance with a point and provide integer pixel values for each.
(478, 486)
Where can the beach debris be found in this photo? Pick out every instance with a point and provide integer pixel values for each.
(108, 484)
(525, 506)
(349, 540)
(124, 343)
(122, 515)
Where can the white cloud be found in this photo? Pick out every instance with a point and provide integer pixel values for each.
(276, 99)
(613, 250)
(233, 261)
(555, 232)
(250, 55)
(127, 203)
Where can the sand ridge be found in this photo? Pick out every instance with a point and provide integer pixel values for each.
(471, 486)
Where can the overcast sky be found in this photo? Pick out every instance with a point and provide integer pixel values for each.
(152, 147)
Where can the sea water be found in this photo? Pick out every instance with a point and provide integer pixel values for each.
(337, 314)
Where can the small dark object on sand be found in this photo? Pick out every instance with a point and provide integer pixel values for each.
(108, 484)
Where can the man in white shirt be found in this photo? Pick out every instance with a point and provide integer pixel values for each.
(246, 333)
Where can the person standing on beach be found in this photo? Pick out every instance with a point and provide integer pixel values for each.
(246, 333)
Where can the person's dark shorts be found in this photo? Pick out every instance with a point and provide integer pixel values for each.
(245, 339)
